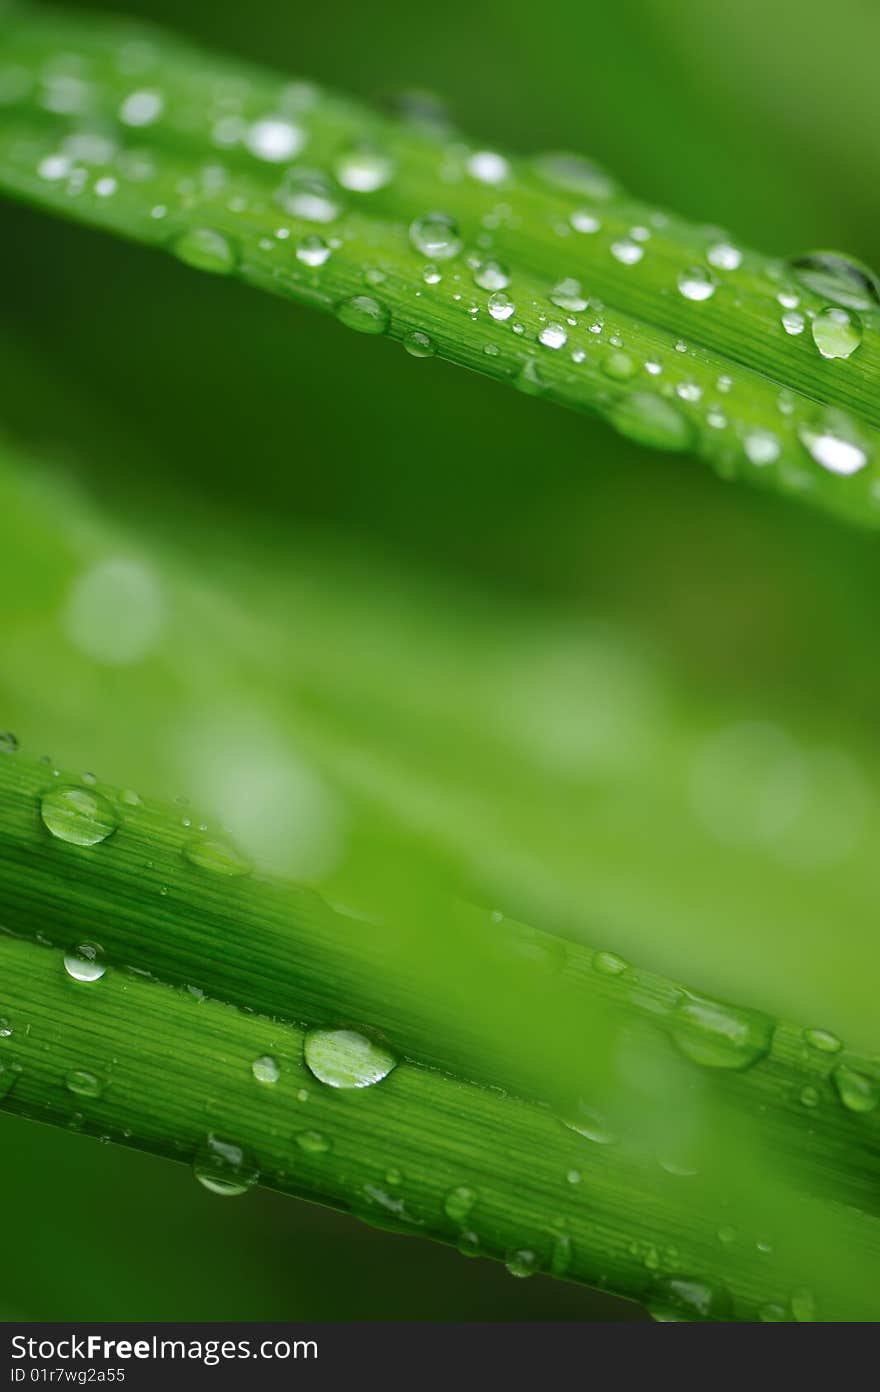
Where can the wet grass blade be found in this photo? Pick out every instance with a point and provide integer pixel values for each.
(540, 272)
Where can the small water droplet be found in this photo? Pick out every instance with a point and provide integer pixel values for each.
(553, 336)
(436, 236)
(567, 294)
(839, 278)
(573, 173)
(308, 194)
(419, 345)
(431, 275)
(265, 1069)
(833, 445)
(724, 257)
(590, 1124)
(718, 1035)
(649, 420)
(726, 1234)
(346, 1059)
(837, 333)
(809, 1097)
(217, 856)
(618, 365)
(313, 251)
(609, 964)
(141, 108)
(274, 139)
(84, 964)
(584, 221)
(488, 167)
(793, 322)
(501, 306)
(522, 1262)
(574, 1176)
(206, 250)
(823, 1040)
(393, 1177)
(459, 1202)
(469, 1244)
(223, 1167)
(312, 1142)
(84, 1084)
(857, 1091)
(76, 815)
(686, 1298)
(5, 1027)
(697, 284)
(761, 447)
(364, 169)
(491, 275)
(627, 252)
(363, 314)
(8, 742)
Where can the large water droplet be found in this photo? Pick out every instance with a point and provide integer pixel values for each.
(363, 314)
(857, 1091)
(459, 1202)
(839, 278)
(84, 964)
(206, 250)
(274, 139)
(313, 251)
(436, 236)
(76, 815)
(223, 1167)
(308, 194)
(553, 336)
(697, 284)
(649, 420)
(574, 174)
(718, 1035)
(218, 856)
(364, 169)
(346, 1059)
(501, 306)
(837, 333)
(833, 444)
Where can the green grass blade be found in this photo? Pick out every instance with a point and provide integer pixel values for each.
(245, 174)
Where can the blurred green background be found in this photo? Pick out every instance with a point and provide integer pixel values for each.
(435, 622)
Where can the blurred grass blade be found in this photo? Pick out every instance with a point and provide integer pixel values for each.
(693, 1117)
(540, 272)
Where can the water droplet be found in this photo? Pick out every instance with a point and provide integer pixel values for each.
(553, 336)
(837, 333)
(718, 1035)
(809, 1097)
(839, 278)
(857, 1091)
(726, 1234)
(761, 447)
(488, 167)
(84, 1084)
(394, 1178)
(364, 169)
(419, 345)
(8, 742)
(313, 251)
(823, 1040)
(590, 1124)
(567, 294)
(265, 1070)
(206, 250)
(627, 252)
(584, 221)
(793, 322)
(649, 420)
(574, 174)
(832, 444)
(609, 964)
(141, 108)
(436, 236)
(346, 1059)
(363, 314)
(522, 1262)
(223, 1167)
(501, 306)
(680, 1297)
(431, 275)
(308, 194)
(618, 366)
(491, 275)
(274, 139)
(5, 1027)
(220, 857)
(84, 964)
(73, 814)
(459, 1202)
(574, 1176)
(469, 1244)
(724, 257)
(697, 284)
(312, 1142)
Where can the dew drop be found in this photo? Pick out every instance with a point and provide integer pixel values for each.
(567, 294)
(573, 173)
(584, 221)
(501, 307)
(832, 445)
(84, 964)
(724, 257)
(857, 1091)
(419, 345)
(459, 1202)
(217, 856)
(346, 1059)
(274, 139)
(649, 420)
(76, 815)
(618, 366)
(5, 1028)
(84, 1084)
(609, 964)
(685, 1298)
(308, 194)
(522, 1262)
(363, 314)
(312, 1142)
(761, 447)
(491, 275)
(141, 108)
(718, 1035)
(574, 1176)
(313, 251)
(266, 1070)
(823, 1040)
(837, 333)
(809, 1097)
(469, 1244)
(793, 322)
(364, 169)
(553, 336)
(488, 167)
(726, 1234)
(590, 1124)
(697, 284)
(627, 252)
(436, 236)
(223, 1167)
(839, 278)
(206, 250)
(431, 275)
